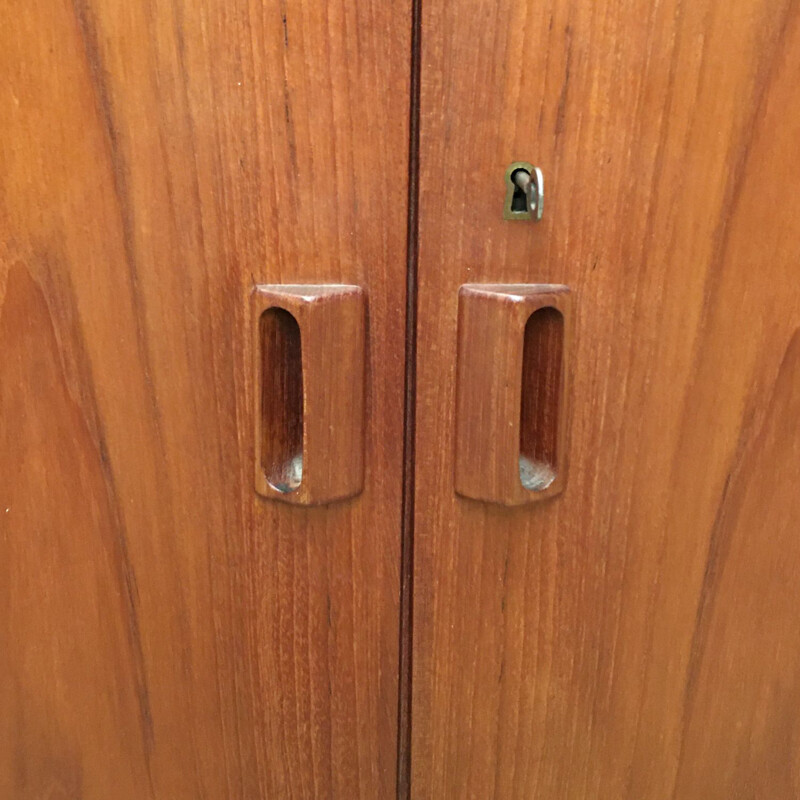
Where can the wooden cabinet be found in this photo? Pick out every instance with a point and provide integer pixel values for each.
(170, 628)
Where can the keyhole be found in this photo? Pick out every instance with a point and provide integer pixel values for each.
(524, 189)
(519, 202)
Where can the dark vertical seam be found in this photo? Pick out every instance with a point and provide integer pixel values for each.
(409, 418)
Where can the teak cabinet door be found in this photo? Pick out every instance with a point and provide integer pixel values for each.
(166, 632)
(636, 636)
(173, 171)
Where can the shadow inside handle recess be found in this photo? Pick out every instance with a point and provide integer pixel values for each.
(281, 400)
(542, 359)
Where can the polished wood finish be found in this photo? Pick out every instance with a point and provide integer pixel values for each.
(512, 393)
(164, 631)
(637, 636)
(309, 392)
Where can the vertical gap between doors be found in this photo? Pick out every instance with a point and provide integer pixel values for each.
(409, 421)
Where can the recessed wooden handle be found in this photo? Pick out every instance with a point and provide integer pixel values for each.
(309, 359)
(511, 407)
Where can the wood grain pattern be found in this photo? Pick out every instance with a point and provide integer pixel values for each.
(165, 632)
(511, 394)
(632, 638)
(309, 392)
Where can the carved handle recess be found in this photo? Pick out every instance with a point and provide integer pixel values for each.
(309, 359)
(511, 407)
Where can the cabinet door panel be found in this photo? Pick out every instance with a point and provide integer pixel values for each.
(635, 636)
(164, 631)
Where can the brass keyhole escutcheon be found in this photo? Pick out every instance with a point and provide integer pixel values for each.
(524, 192)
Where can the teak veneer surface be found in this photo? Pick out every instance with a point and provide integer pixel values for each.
(636, 636)
(165, 632)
